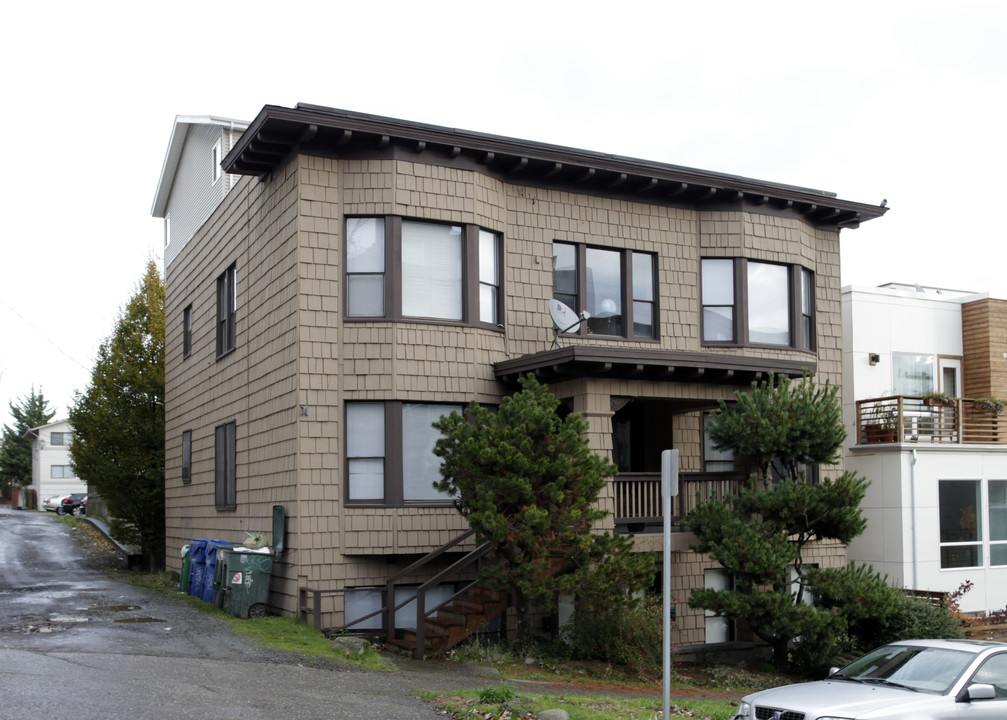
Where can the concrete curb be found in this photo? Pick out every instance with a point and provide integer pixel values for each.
(130, 553)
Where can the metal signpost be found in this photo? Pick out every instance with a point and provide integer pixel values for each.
(669, 489)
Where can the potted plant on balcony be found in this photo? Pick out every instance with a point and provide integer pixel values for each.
(934, 399)
(885, 423)
(991, 405)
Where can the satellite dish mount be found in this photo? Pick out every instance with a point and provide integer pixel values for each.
(564, 319)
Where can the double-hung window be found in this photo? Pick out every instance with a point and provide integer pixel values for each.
(405, 269)
(225, 466)
(748, 302)
(227, 301)
(616, 288)
(389, 452)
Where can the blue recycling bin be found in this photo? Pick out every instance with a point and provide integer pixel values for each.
(197, 566)
(212, 552)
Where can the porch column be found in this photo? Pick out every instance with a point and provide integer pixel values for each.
(596, 409)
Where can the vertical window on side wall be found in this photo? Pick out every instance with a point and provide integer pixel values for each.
(718, 299)
(215, 157)
(998, 522)
(225, 466)
(768, 303)
(643, 295)
(365, 451)
(187, 331)
(227, 300)
(718, 628)
(431, 270)
(961, 531)
(186, 455)
(489, 277)
(912, 374)
(808, 339)
(365, 267)
(714, 460)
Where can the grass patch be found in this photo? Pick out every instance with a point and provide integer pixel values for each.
(285, 634)
(469, 705)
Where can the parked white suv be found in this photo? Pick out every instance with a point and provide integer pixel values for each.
(918, 679)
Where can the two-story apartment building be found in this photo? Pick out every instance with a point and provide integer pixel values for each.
(369, 274)
(51, 471)
(918, 363)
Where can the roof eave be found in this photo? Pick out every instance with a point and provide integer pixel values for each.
(278, 132)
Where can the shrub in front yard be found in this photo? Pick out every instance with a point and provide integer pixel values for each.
(630, 637)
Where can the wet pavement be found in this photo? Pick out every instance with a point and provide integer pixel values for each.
(77, 643)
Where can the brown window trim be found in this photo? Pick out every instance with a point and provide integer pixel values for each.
(795, 288)
(470, 276)
(626, 298)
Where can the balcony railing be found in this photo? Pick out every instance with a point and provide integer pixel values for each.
(638, 496)
(913, 418)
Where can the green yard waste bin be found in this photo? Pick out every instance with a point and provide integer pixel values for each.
(243, 575)
(243, 581)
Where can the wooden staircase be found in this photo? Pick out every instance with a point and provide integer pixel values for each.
(451, 624)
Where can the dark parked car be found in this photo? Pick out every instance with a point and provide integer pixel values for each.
(73, 504)
(907, 680)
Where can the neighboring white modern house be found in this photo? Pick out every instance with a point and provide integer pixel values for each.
(192, 183)
(51, 473)
(937, 505)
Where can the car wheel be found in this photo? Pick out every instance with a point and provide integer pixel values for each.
(78, 511)
(60, 511)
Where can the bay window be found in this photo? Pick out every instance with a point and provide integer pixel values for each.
(748, 302)
(405, 269)
(617, 288)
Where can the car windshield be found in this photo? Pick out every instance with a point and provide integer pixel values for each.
(928, 669)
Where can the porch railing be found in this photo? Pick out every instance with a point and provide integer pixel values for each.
(917, 418)
(638, 501)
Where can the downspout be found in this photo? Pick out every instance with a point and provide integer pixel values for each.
(912, 493)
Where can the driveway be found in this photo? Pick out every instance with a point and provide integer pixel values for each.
(75, 643)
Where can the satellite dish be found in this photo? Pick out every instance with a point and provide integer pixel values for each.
(564, 319)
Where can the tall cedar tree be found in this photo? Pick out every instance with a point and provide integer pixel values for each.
(759, 535)
(118, 422)
(528, 483)
(15, 451)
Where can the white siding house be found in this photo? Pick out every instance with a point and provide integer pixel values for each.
(51, 472)
(937, 505)
(192, 182)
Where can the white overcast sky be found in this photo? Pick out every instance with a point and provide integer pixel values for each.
(875, 100)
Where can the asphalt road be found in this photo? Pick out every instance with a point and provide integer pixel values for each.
(76, 643)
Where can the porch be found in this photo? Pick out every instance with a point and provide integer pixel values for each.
(638, 500)
(917, 418)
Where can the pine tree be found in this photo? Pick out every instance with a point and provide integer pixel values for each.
(118, 422)
(527, 481)
(15, 451)
(759, 536)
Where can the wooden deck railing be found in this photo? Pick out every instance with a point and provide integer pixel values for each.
(912, 418)
(638, 501)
